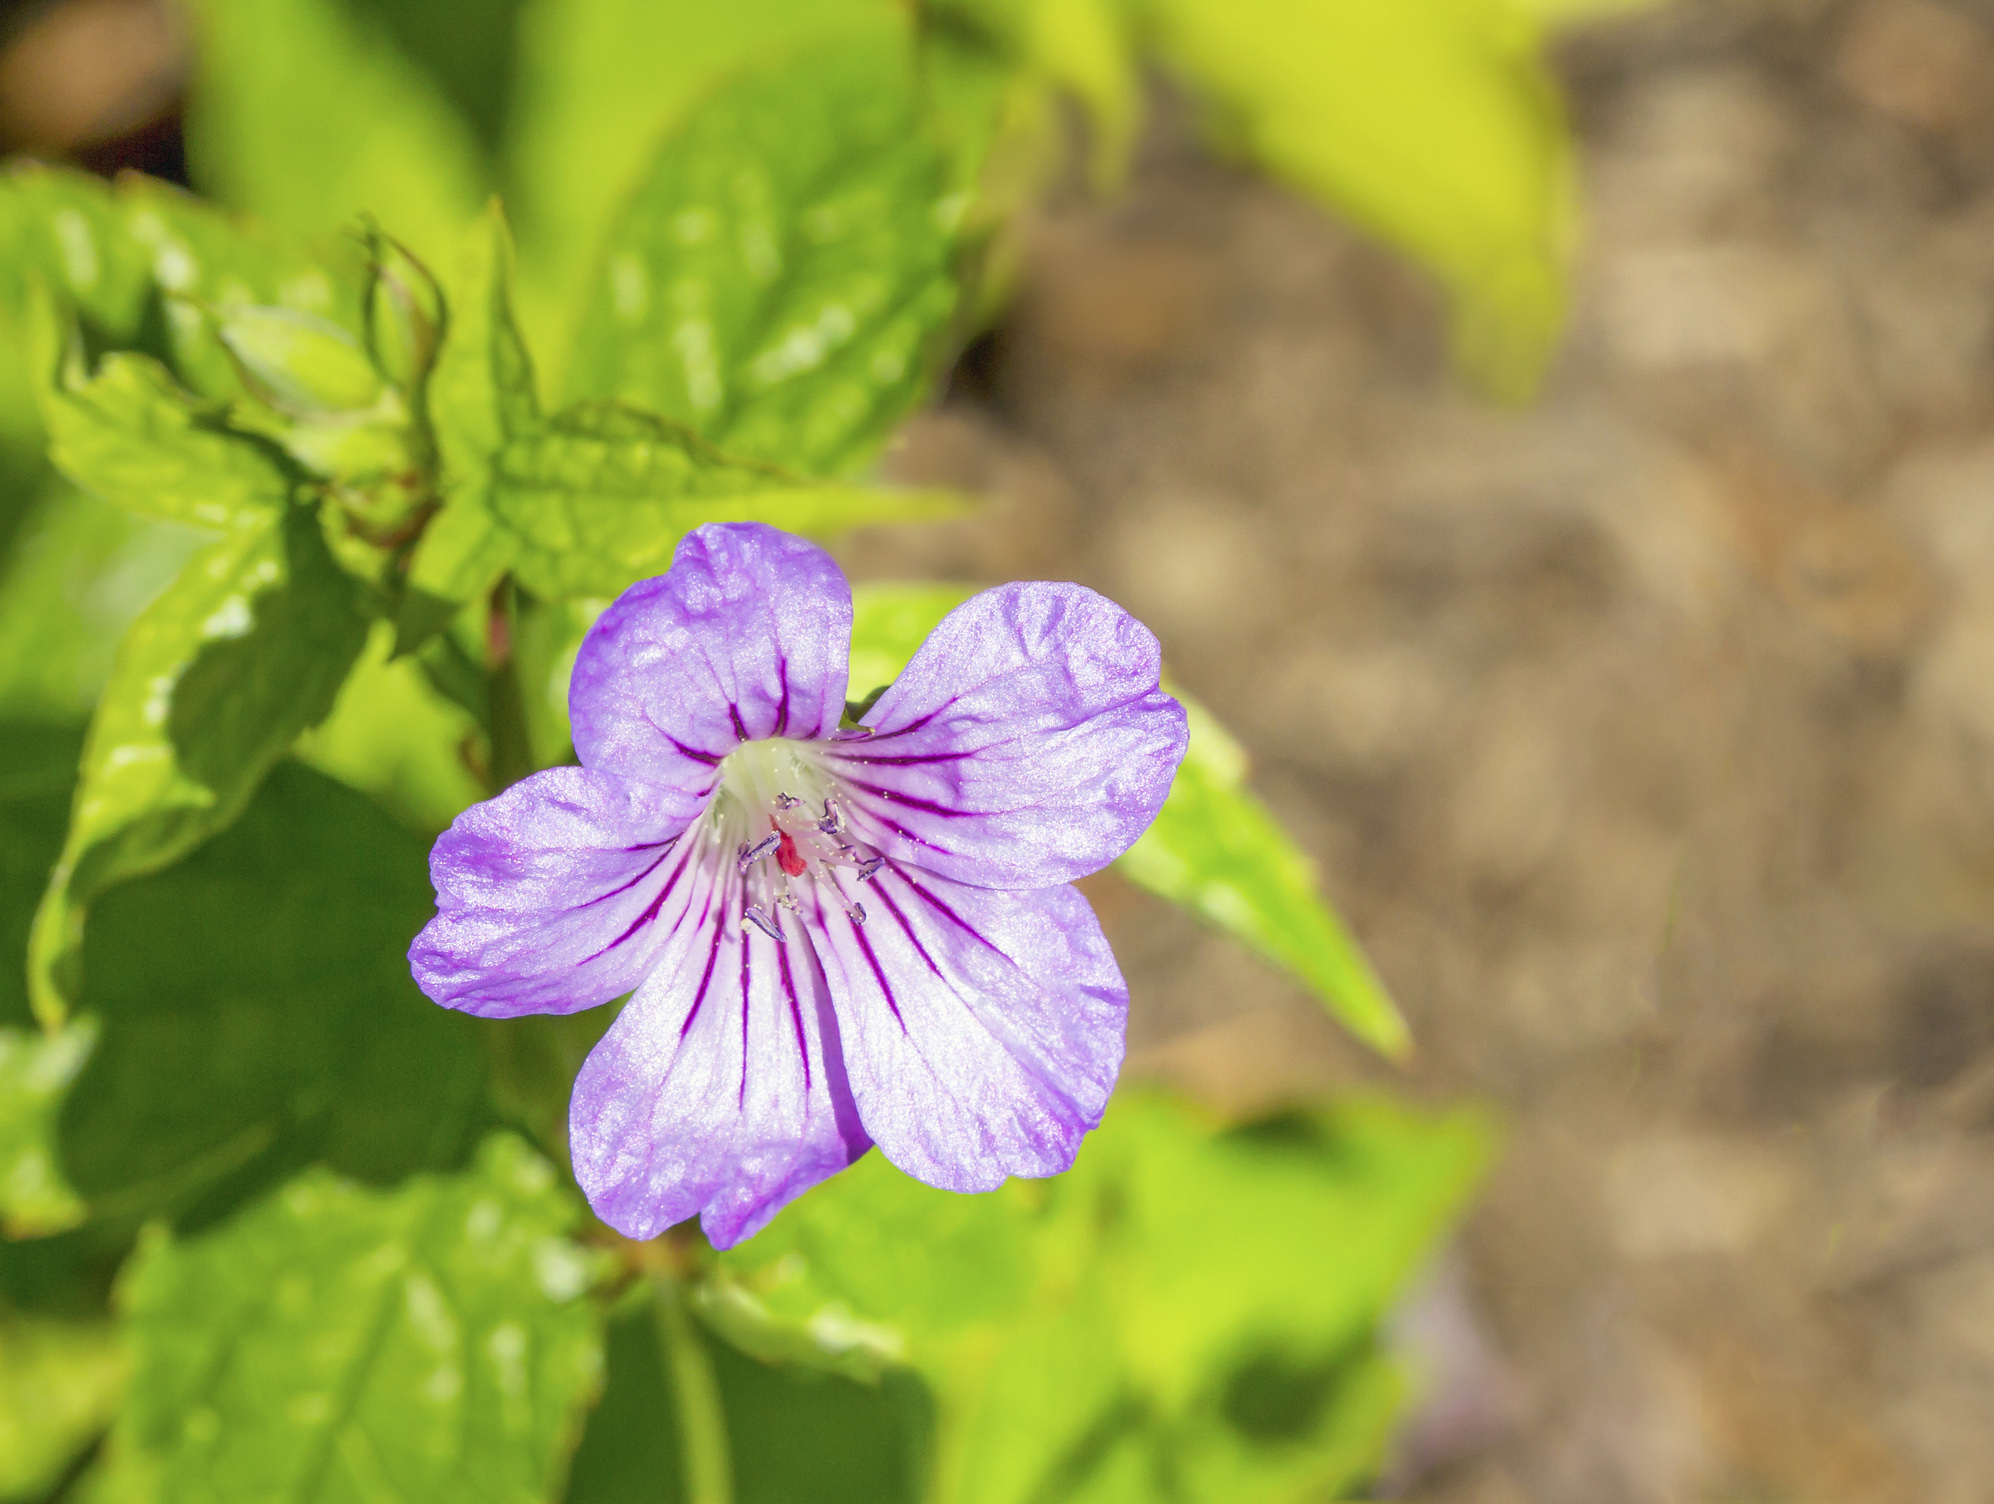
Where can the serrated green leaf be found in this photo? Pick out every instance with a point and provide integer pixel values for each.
(256, 1015)
(143, 264)
(1148, 1299)
(1433, 123)
(60, 1383)
(601, 494)
(307, 114)
(481, 394)
(1218, 851)
(212, 685)
(339, 1344)
(784, 271)
(132, 435)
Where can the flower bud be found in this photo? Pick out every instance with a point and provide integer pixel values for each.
(404, 311)
(299, 363)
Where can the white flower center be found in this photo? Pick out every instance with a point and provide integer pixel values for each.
(780, 813)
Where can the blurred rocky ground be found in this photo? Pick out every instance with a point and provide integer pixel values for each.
(1646, 736)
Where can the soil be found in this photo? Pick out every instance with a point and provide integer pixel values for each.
(1646, 736)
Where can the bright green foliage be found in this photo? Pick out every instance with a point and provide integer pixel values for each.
(599, 82)
(1218, 851)
(60, 1383)
(481, 395)
(1572, 12)
(36, 1070)
(599, 496)
(299, 363)
(1214, 848)
(392, 736)
(1184, 1304)
(1431, 122)
(782, 275)
(310, 117)
(257, 1016)
(338, 1344)
(211, 686)
(134, 436)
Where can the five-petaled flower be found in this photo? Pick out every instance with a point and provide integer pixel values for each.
(832, 938)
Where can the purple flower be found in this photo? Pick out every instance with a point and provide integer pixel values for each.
(832, 938)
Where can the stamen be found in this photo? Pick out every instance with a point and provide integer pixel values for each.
(763, 923)
(833, 823)
(870, 866)
(749, 855)
(856, 910)
(787, 801)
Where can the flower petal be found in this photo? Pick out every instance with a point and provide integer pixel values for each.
(1027, 744)
(747, 635)
(983, 1030)
(549, 896)
(720, 1088)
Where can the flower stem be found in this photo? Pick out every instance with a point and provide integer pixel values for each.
(702, 1419)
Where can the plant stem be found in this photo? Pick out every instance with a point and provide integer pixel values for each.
(702, 1419)
(512, 743)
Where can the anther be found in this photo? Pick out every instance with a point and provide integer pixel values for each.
(856, 910)
(833, 822)
(752, 854)
(763, 923)
(787, 801)
(870, 866)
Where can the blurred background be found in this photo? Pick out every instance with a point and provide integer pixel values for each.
(1644, 734)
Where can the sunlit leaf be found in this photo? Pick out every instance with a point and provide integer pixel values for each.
(599, 82)
(211, 686)
(1432, 123)
(60, 1382)
(889, 622)
(36, 1070)
(132, 435)
(1181, 1286)
(601, 494)
(1218, 851)
(784, 271)
(339, 1344)
(307, 114)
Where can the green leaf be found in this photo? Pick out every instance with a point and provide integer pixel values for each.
(144, 265)
(393, 737)
(795, 1435)
(1575, 12)
(212, 685)
(255, 1015)
(60, 1383)
(36, 1070)
(308, 115)
(1219, 852)
(783, 276)
(1433, 123)
(134, 436)
(601, 494)
(339, 1344)
(598, 84)
(1185, 1299)
(481, 394)
(79, 574)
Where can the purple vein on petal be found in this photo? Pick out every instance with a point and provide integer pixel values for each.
(878, 971)
(651, 909)
(933, 902)
(899, 918)
(795, 1011)
(744, 1016)
(712, 960)
(926, 806)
